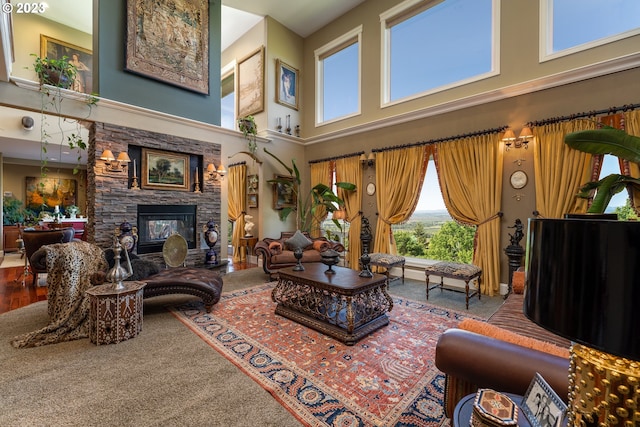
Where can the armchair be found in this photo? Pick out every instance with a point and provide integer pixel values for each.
(35, 239)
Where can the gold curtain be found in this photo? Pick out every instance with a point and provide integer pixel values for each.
(559, 170)
(237, 207)
(632, 127)
(321, 173)
(399, 177)
(470, 176)
(349, 170)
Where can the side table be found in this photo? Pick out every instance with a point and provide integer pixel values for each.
(249, 242)
(464, 409)
(115, 315)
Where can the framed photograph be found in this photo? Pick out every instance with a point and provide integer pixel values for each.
(252, 200)
(168, 40)
(163, 170)
(252, 184)
(251, 83)
(80, 57)
(287, 84)
(541, 405)
(44, 194)
(283, 195)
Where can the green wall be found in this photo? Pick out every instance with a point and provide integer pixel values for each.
(116, 84)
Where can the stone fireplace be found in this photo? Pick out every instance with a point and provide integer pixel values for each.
(111, 200)
(157, 222)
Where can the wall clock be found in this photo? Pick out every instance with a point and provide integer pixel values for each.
(371, 189)
(518, 179)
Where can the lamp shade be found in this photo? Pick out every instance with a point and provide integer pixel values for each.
(583, 282)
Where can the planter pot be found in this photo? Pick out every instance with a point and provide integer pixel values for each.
(53, 77)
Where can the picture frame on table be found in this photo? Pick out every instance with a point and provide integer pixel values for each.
(541, 405)
(287, 83)
(80, 57)
(251, 83)
(163, 170)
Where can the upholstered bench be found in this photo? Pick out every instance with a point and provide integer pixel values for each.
(201, 282)
(453, 270)
(387, 261)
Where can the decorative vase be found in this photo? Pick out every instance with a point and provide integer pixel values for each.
(330, 258)
(211, 235)
(297, 253)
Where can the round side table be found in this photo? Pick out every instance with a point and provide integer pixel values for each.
(464, 409)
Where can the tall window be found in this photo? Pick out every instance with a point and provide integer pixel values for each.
(338, 78)
(228, 102)
(568, 26)
(428, 48)
(610, 165)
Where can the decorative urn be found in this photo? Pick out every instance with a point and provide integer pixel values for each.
(330, 258)
(211, 233)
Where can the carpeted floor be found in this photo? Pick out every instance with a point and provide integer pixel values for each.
(167, 376)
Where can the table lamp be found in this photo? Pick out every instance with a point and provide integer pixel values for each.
(583, 283)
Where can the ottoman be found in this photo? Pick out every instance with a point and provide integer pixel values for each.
(387, 261)
(200, 282)
(453, 270)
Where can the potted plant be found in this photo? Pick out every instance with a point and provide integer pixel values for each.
(12, 211)
(73, 211)
(607, 140)
(55, 72)
(249, 129)
(307, 208)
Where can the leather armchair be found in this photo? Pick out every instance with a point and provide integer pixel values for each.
(35, 239)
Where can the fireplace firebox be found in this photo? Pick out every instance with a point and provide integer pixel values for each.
(157, 222)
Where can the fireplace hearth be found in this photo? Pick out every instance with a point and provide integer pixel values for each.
(157, 222)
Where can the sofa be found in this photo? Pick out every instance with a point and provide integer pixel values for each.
(278, 253)
(503, 353)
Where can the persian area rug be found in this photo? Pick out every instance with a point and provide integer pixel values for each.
(388, 378)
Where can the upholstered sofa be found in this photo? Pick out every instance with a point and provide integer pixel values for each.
(277, 253)
(503, 353)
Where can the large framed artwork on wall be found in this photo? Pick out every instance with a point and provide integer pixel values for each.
(168, 40)
(80, 57)
(44, 194)
(163, 170)
(251, 83)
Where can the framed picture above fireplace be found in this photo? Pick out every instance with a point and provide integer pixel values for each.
(163, 170)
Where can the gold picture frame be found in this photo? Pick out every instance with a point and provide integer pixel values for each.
(168, 40)
(80, 57)
(287, 79)
(283, 195)
(251, 83)
(252, 200)
(163, 170)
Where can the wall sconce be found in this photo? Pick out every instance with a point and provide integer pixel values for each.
(368, 161)
(214, 174)
(114, 164)
(509, 138)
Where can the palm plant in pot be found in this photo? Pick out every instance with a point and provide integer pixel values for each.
(308, 208)
(582, 283)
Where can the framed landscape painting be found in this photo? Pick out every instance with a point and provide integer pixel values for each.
(44, 194)
(162, 170)
(80, 57)
(251, 83)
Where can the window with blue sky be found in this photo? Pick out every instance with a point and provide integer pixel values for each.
(228, 102)
(568, 26)
(437, 46)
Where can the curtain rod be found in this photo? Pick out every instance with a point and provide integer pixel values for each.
(237, 164)
(343, 156)
(611, 110)
(437, 140)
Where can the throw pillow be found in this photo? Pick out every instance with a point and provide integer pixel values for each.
(275, 248)
(298, 240)
(321, 245)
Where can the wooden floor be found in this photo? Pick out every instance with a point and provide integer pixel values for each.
(14, 295)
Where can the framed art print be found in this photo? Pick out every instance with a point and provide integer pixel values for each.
(283, 194)
(252, 200)
(163, 170)
(287, 79)
(80, 57)
(168, 40)
(541, 405)
(251, 83)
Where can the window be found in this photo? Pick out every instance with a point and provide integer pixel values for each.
(432, 47)
(338, 78)
(228, 101)
(610, 165)
(431, 233)
(569, 26)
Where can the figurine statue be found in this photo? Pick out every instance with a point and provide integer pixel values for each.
(518, 234)
(248, 225)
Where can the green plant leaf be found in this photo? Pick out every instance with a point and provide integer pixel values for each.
(606, 141)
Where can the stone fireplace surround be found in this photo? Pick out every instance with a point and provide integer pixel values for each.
(111, 201)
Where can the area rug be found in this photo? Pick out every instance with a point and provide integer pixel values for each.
(386, 379)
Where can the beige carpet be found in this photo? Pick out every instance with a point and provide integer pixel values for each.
(167, 376)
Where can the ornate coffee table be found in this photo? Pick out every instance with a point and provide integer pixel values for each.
(343, 305)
